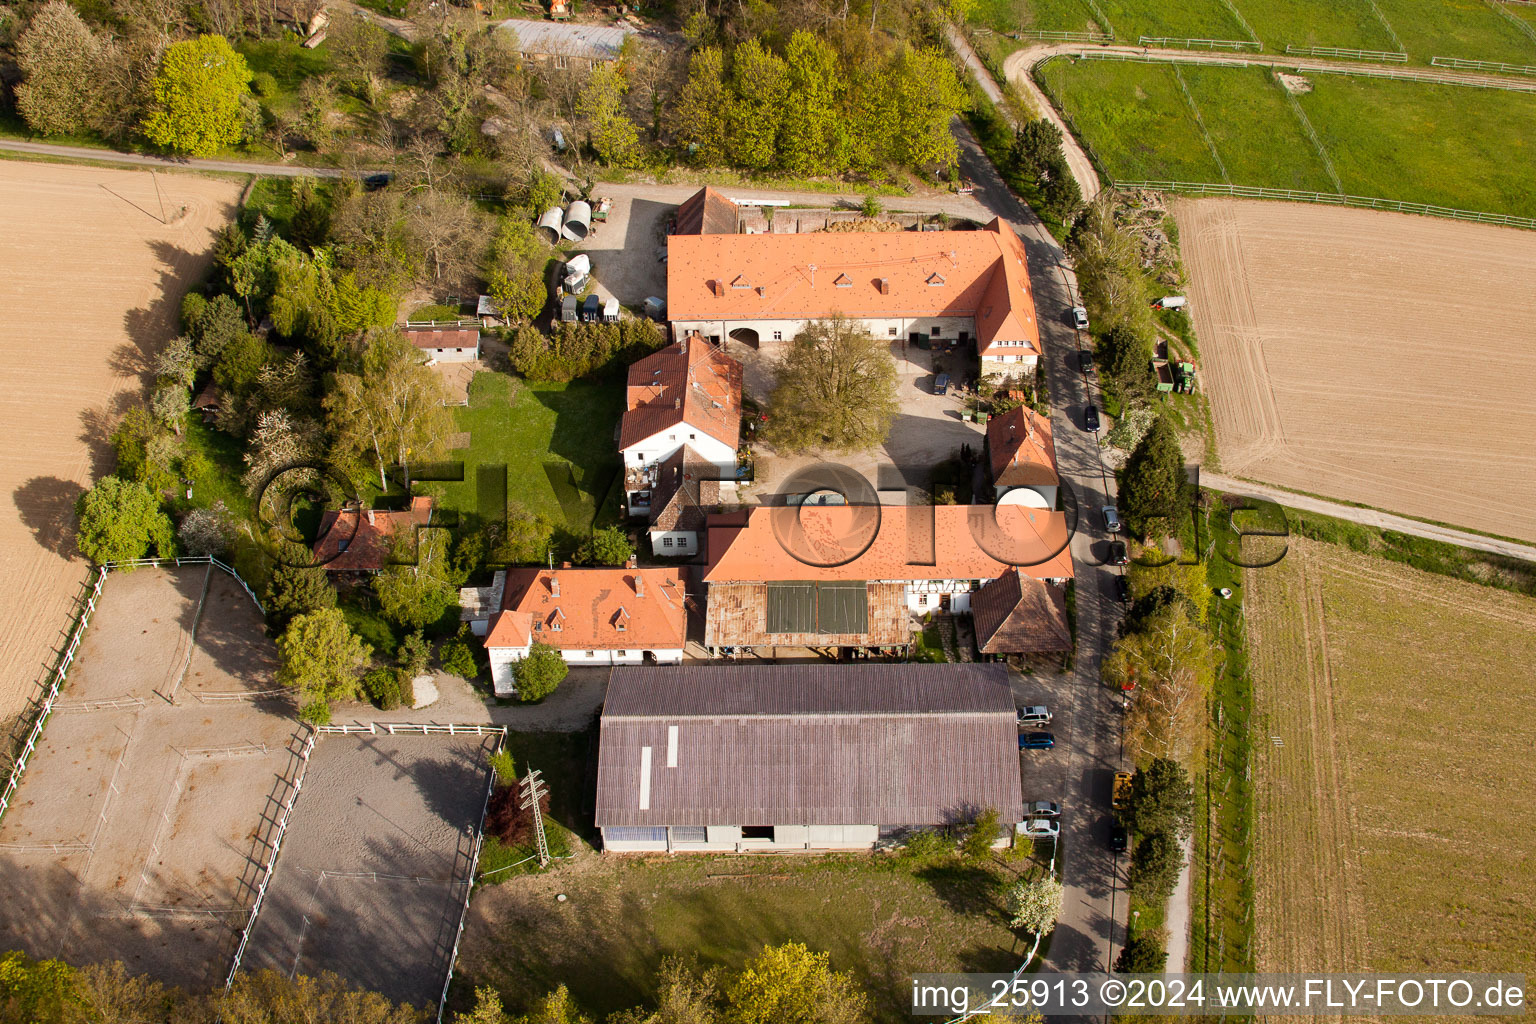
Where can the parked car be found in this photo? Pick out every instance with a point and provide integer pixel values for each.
(1043, 809)
(1035, 714)
(1091, 418)
(1120, 792)
(1122, 589)
(1085, 360)
(1117, 553)
(374, 182)
(1080, 318)
(1111, 519)
(1119, 838)
(1036, 741)
(1038, 828)
(941, 384)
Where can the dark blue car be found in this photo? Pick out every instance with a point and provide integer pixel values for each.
(1036, 741)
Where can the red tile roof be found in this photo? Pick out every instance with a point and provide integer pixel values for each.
(868, 543)
(351, 540)
(594, 609)
(443, 337)
(1016, 614)
(689, 382)
(1020, 449)
(706, 212)
(982, 274)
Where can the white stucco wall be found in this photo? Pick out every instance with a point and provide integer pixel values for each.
(684, 542)
(786, 838)
(661, 446)
(1004, 363)
(453, 355)
(503, 660)
(959, 592)
(949, 327)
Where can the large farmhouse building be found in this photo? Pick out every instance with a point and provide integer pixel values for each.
(802, 757)
(918, 286)
(833, 577)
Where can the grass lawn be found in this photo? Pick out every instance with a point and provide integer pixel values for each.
(1345, 23)
(287, 61)
(553, 445)
(881, 917)
(1035, 15)
(1186, 19)
(1448, 145)
(1457, 28)
(1401, 704)
(1231, 102)
(1134, 118)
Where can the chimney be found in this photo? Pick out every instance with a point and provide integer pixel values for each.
(682, 347)
(639, 585)
(370, 517)
(554, 585)
(677, 403)
(884, 284)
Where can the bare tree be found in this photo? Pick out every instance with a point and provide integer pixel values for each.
(450, 231)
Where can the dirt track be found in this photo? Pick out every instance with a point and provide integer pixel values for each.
(91, 285)
(1374, 357)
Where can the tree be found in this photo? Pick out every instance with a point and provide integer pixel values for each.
(836, 390)
(360, 51)
(1155, 866)
(789, 984)
(608, 546)
(514, 270)
(813, 138)
(295, 587)
(121, 520)
(488, 1009)
(1162, 799)
(760, 82)
(1125, 357)
(1035, 144)
(612, 134)
(1060, 194)
(978, 841)
(457, 656)
(1172, 663)
(1036, 905)
(556, 1008)
(702, 117)
(448, 231)
(205, 531)
(417, 595)
(170, 403)
(1143, 954)
(266, 997)
(61, 59)
(928, 96)
(197, 97)
(391, 413)
(280, 441)
(1153, 481)
(321, 658)
(539, 673)
(177, 362)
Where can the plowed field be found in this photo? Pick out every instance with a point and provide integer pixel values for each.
(95, 263)
(1375, 357)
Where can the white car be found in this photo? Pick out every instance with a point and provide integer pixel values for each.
(1038, 828)
(1043, 809)
(1035, 714)
(1080, 318)
(1111, 519)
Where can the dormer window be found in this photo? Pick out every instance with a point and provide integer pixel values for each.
(843, 281)
(935, 279)
(621, 620)
(557, 620)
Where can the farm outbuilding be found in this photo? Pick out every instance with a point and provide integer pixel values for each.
(446, 344)
(802, 757)
(567, 45)
(553, 224)
(578, 221)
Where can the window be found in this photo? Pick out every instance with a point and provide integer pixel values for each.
(843, 281)
(922, 601)
(891, 331)
(636, 833)
(689, 834)
(619, 654)
(666, 542)
(757, 832)
(937, 330)
(693, 437)
(935, 279)
(778, 335)
(591, 654)
(639, 457)
(560, 61)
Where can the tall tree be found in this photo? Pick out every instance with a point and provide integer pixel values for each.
(790, 984)
(1172, 662)
(1035, 905)
(813, 138)
(703, 113)
(760, 82)
(360, 51)
(612, 134)
(197, 97)
(416, 592)
(1162, 799)
(1142, 954)
(296, 587)
(321, 658)
(539, 673)
(1153, 482)
(1155, 865)
(121, 520)
(390, 413)
(836, 390)
(928, 97)
(60, 58)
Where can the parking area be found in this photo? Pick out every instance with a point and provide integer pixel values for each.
(374, 865)
(139, 829)
(626, 251)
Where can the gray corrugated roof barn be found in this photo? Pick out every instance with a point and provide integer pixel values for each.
(877, 744)
(553, 39)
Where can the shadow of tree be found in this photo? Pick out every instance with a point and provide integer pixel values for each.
(964, 888)
(47, 507)
(150, 327)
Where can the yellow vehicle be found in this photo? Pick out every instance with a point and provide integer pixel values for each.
(1120, 798)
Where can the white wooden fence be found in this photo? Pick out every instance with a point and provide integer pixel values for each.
(1385, 56)
(469, 885)
(1331, 199)
(1493, 66)
(414, 728)
(1176, 43)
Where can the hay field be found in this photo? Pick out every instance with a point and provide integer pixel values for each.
(1375, 357)
(1392, 746)
(92, 282)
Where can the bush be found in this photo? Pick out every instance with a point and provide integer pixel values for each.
(1155, 866)
(505, 768)
(927, 843)
(608, 546)
(382, 685)
(1143, 954)
(580, 349)
(540, 673)
(978, 841)
(413, 654)
(264, 84)
(457, 657)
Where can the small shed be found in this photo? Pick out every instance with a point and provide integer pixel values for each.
(447, 344)
(568, 309)
(592, 309)
(656, 307)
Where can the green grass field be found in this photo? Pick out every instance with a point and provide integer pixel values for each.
(882, 919)
(555, 440)
(1190, 19)
(1036, 15)
(1457, 28)
(1343, 23)
(1453, 146)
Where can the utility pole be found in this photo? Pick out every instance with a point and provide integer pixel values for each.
(531, 789)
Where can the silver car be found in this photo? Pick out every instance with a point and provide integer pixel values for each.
(1038, 828)
(1035, 714)
(1111, 519)
(1043, 809)
(1080, 318)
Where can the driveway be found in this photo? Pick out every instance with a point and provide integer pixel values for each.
(1079, 770)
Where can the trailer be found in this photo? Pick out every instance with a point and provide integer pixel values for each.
(568, 309)
(1170, 302)
(1164, 376)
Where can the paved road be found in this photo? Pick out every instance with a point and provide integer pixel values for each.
(1370, 517)
(1078, 772)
